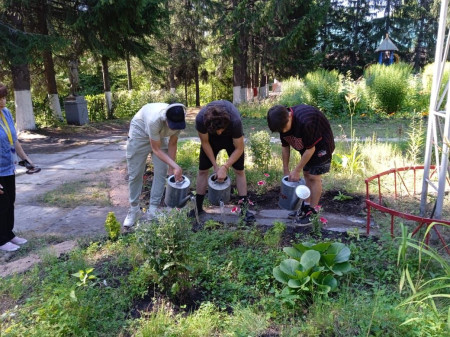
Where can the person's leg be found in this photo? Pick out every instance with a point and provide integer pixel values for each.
(7, 200)
(159, 181)
(314, 183)
(137, 153)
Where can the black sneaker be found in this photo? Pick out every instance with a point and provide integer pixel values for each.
(191, 213)
(303, 221)
(249, 216)
(296, 214)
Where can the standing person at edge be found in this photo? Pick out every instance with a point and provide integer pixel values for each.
(154, 129)
(308, 131)
(9, 146)
(219, 127)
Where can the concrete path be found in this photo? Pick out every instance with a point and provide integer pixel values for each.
(100, 156)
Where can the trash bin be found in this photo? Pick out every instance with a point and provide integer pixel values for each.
(76, 110)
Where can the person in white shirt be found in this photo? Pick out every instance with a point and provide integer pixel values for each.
(153, 130)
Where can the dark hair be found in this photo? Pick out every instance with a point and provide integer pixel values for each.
(216, 118)
(3, 90)
(277, 118)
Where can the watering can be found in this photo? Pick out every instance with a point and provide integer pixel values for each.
(218, 191)
(288, 196)
(177, 192)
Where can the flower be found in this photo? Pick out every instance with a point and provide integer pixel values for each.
(235, 209)
(261, 182)
(267, 175)
(250, 202)
(323, 220)
(317, 208)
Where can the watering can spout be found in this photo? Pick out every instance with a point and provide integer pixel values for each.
(190, 196)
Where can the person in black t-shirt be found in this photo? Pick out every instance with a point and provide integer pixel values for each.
(307, 130)
(219, 127)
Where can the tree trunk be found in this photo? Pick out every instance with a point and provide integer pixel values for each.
(22, 97)
(236, 81)
(197, 86)
(107, 87)
(49, 66)
(130, 82)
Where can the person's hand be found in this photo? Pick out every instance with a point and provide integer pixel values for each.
(1, 189)
(178, 173)
(294, 176)
(221, 174)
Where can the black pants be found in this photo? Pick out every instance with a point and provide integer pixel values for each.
(7, 200)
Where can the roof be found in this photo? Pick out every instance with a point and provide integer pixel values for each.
(387, 44)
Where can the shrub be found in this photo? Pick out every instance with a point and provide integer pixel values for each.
(388, 85)
(112, 226)
(323, 90)
(166, 242)
(260, 148)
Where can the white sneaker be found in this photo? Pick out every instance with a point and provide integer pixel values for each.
(18, 241)
(9, 247)
(132, 216)
(151, 213)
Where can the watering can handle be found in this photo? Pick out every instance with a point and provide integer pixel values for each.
(180, 182)
(214, 179)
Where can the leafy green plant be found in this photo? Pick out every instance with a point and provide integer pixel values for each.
(342, 197)
(312, 268)
(260, 148)
(84, 276)
(430, 298)
(416, 139)
(273, 236)
(166, 242)
(388, 85)
(112, 226)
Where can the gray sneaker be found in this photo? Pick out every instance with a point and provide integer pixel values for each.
(133, 215)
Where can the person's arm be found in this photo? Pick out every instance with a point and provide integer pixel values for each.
(21, 153)
(172, 151)
(285, 156)
(306, 156)
(206, 146)
(235, 155)
(156, 148)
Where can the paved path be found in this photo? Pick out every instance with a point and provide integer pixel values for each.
(100, 156)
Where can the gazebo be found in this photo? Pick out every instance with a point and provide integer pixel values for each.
(386, 50)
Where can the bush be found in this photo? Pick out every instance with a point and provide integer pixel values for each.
(323, 90)
(261, 150)
(388, 85)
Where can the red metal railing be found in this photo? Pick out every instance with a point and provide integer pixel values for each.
(378, 205)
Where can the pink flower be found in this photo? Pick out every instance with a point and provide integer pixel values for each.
(267, 175)
(323, 220)
(317, 208)
(240, 201)
(261, 182)
(253, 128)
(250, 202)
(235, 209)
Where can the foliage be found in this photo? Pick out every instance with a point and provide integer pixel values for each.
(273, 236)
(259, 143)
(112, 226)
(342, 197)
(166, 241)
(430, 299)
(388, 85)
(323, 90)
(317, 221)
(416, 142)
(312, 268)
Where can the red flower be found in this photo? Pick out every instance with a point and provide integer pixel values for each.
(267, 175)
(235, 209)
(261, 182)
(323, 220)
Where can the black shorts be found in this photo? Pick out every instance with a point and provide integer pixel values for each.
(318, 169)
(217, 144)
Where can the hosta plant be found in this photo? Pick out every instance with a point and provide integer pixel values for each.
(312, 268)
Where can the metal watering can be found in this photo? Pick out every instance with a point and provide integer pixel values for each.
(177, 193)
(288, 198)
(218, 192)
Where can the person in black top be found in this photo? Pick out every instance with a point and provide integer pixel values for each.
(307, 130)
(219, 127)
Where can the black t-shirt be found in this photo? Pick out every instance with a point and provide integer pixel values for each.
(233, 130)
(310, 128)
